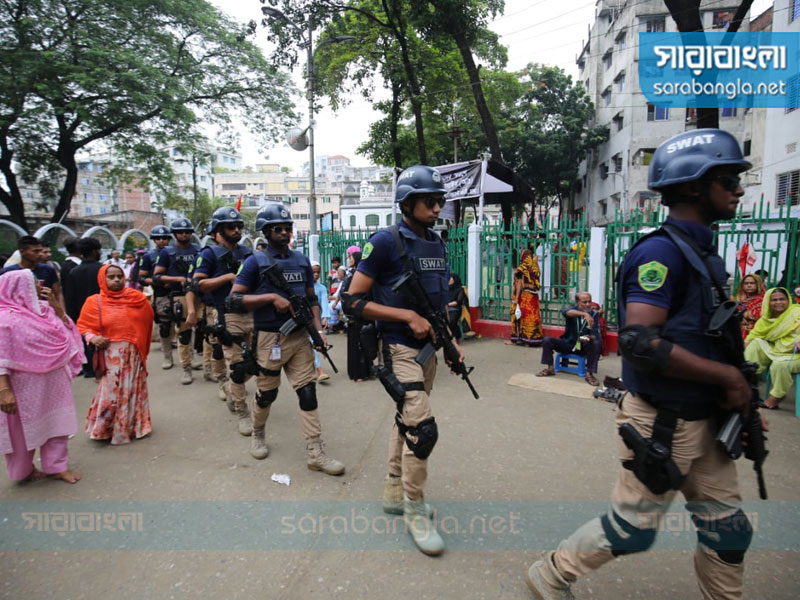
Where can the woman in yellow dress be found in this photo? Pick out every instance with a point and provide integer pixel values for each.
(526, 322)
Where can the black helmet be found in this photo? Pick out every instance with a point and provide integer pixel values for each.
(418, 180)
(225, 214)
(689, 155)
(159, 231)
(182, 224)
(272, 213)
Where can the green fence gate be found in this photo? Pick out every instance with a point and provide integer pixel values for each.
(561, 251)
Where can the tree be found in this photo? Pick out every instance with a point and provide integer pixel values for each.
(686, 14)
(549, 134)
(465, 23)
(134, 75)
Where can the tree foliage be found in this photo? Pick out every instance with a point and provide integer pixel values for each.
(135, 75)
(549, 133)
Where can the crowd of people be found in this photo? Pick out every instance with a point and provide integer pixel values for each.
(265, 315)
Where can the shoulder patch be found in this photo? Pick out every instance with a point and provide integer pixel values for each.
(652, 275)
(199, 261)
(367, 250)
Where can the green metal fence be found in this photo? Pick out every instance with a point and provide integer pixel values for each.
(560, 248)
(457, 251)
(336, 243)
(774, 236)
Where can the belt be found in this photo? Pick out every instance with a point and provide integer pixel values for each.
(682, 410)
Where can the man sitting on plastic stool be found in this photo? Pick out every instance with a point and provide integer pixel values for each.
(581, 336)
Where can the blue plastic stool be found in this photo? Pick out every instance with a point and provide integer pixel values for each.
(570, 363)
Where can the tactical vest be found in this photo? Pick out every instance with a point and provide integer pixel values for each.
(686, 325)
(266, 318)
(240, 253)
(428, 258)
(181, 262)
(148, 263)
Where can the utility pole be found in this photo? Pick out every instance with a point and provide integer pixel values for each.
(455, 133)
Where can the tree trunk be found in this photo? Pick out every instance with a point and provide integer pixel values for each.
(393, 124)
(686, 14)
(66, 158)
(11, 199)
(489, 129)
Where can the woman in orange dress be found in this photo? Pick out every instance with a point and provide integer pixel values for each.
(526, 322)
(118, 322)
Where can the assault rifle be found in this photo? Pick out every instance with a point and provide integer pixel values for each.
(410, 286)
(725, 323)
(303, 317)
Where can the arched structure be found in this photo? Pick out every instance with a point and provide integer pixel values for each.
(247, 241)
(138, 240)
(104, 235)
(53, 234)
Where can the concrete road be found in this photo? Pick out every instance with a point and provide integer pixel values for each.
(512, 473)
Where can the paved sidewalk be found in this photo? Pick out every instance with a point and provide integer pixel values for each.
(511, 474)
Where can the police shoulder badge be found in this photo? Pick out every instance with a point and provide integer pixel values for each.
(367, 250)
(652, 275)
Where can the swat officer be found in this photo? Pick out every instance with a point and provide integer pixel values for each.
(253, 291)
(213, 277)
(172, 270)
(680, 379)
(161, 238)
(388, 255)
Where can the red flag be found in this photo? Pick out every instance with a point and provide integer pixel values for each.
(239, 203)
(746, 257)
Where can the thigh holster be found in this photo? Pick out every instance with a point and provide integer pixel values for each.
(426, 434)
(652, 461)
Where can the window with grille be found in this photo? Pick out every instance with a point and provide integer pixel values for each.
(794, 10)
(388, 219)
(655, 25)
(793, 91)
(606, 97)
(620, 82)
(352, 220)
(604, 170)
(657, 113)
(607, 60)
(621, 40)
(372, 220)
(788, 188)
(617, 163)
(728, 112)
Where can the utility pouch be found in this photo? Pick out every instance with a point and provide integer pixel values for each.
(391, 384)
(369, 342)
(652, 462)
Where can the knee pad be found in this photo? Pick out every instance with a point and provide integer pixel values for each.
(729, 537)
(624, 537)
(308, 397)
(216, 352)
(427, 433)
(185, 337)
(164, 329)
(266, 397)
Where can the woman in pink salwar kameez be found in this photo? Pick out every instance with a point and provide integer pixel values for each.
(40, 354)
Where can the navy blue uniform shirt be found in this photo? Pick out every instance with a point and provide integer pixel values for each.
(43, 272)
(382, 264)
(671, 269)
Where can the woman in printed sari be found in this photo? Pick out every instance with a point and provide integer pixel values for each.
(774, 341)
(751, 294)
(119, 322)
(40, 353)
(526, 322)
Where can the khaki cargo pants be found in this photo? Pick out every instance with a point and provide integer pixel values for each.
(162, 310)
(297, 361)
(710, 489)
(416, 408)
(241, 326)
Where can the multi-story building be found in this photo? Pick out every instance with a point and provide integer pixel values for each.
(614, 176)
(269, 182)
(781, 171)
(338, 168)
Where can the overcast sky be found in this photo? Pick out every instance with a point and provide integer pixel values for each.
(545, 31)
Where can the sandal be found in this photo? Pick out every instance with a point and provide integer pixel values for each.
(591, 380)
(546, 373)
